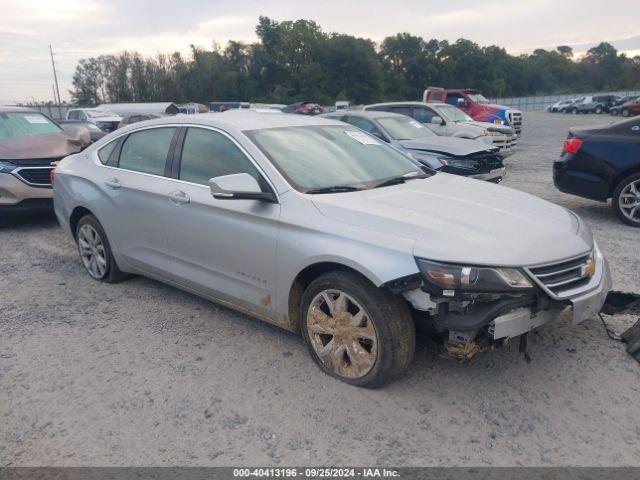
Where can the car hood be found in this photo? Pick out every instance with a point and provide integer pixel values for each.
(454, 219)
(457, 147)
(486, 125)
(53, 145)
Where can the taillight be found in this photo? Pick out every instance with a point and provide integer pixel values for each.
(572, 145)
(52, 174)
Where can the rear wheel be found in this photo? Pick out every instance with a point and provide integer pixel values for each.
(574, 111)
(625, 112)
(626, 200)
(356, 332)
(95, 251)
(598, 110)
(614, 112)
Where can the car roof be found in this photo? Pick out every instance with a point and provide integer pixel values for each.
(364, 113)
(242, 120)
(11, 108)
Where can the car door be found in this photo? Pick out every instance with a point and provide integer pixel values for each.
(225, 249)
(134, 211)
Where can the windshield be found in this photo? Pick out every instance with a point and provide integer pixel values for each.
(319, 156)
(25, 124)
(99, 113)
(454, 114)
(405, 128)
(477, 98)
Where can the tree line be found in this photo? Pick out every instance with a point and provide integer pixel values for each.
(296, 61)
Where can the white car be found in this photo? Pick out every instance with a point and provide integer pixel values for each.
(103, 119)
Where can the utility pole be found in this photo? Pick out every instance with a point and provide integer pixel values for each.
(55, 77)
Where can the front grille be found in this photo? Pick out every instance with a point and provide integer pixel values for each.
(515, 121)
(564, 276)
(487, 161)
(35, 176)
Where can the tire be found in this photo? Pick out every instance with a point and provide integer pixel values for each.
(613, 112)
(574, 111)
(624, 193)
(93, 243)
(598, 110)
(625, 112)
(382, 345)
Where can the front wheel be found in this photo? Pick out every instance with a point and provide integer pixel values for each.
(613, 112)
(95, 251)
(626, 200)
(625, 112)
(574, 111)
(598, 110)
(356, 332)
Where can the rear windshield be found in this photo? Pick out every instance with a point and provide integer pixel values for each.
(25, 124)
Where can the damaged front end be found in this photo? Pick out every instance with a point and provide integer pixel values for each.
(487, 166)
(475, 307)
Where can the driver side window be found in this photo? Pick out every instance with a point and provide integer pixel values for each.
(423, 115)
(207, 154)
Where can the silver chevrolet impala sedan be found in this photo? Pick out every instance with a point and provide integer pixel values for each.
(315, 226)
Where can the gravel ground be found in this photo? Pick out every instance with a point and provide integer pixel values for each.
(142, 374)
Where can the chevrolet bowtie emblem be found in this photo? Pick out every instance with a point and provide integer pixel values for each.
(589, 269)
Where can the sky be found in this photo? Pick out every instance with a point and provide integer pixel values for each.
(82, 28)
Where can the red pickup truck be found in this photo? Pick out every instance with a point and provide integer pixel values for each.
(476, 106)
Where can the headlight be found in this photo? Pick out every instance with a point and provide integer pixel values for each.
(427, 159)
(492, 133)
(446, 279)
(498, 121)
(6, 167)
(456, 163)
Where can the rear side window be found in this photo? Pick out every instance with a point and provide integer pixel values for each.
(105, 152)
(146, 151)
(207, 154)
(402, 110)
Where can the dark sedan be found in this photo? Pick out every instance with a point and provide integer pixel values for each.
(603, 162)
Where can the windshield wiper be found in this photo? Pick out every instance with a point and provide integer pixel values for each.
(334, 189)
(400, 179)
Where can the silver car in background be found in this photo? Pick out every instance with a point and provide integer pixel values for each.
(449, 121)
(315, 226)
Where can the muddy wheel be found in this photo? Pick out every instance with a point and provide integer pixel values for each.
(356, 332)
(95, 251)
(626, 200)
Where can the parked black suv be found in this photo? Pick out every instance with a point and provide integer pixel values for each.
(603, 162)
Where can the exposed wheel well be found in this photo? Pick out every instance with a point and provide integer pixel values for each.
(302, 281)
(620, 177)
(76, 215)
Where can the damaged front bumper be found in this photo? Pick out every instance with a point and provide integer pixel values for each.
(511, 315)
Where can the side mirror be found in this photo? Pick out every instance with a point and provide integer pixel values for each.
(436, 120)
(239, 186)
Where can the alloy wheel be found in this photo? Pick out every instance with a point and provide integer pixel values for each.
(629, 201)
(92, 251)
(342, 334)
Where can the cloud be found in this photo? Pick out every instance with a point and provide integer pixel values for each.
(82, 28)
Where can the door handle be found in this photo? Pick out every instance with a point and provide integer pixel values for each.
(179, 197)
(113, 183)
